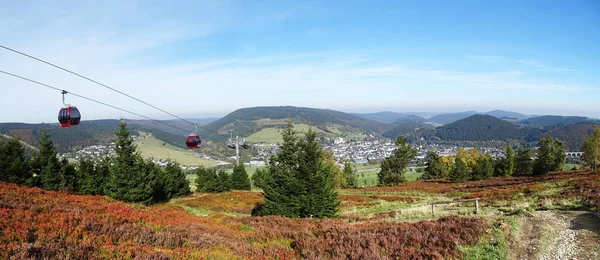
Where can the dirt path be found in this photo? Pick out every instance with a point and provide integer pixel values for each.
(549, 235)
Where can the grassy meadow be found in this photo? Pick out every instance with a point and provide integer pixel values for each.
(149, 146)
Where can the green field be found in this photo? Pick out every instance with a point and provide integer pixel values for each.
(367, 174)
(569, 166)
(149, 146)
(273, 135)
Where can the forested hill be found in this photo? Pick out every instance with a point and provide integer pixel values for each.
(89, 132)
(572, 135)
(544, 121)
(249, 120)
(479, 128)
(450, 117)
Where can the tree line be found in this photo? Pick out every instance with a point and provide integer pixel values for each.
(126, 176)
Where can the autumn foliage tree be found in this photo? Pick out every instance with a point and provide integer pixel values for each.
(591, 150)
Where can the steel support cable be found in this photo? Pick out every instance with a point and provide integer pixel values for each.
(92, 100)
(104, 85)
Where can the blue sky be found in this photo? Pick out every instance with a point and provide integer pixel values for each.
(208, 58)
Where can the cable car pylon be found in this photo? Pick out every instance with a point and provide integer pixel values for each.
(234, 143)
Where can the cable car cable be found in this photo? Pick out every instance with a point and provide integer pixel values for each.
(103, 85)
(92, 100)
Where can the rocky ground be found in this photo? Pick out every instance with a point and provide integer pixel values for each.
(548, 235)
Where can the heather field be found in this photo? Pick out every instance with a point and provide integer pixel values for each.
(375, 222)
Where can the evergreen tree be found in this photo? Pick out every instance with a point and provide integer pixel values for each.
(282, 188)
(459, 171)
(174, 183)
(299, 182)
(524, 162)
(131, 179)
(86, 171)
(239, 178)
(434, 168)
(350, 174)
(321, 198)
(68, 177)
(484, 168)
(258, 178)
(505, 166)
(591, 150)
(46, 165)
(393, 167)
(223, 181)
(13, 164)
(206, 179)
(551, 156)
(338, 177)
(510, 162)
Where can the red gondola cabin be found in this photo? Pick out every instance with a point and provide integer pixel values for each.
(68, 116)
(192, 141)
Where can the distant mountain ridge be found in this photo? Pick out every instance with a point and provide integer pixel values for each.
(482, 128)
(438, 118)
(246, 121)
(545, 121)
(389, 117)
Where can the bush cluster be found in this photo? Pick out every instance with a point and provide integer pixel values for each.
(125, 177)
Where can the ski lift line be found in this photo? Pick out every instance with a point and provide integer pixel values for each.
(103, 85)
(90, 99)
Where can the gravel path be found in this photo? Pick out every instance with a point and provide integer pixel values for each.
(550, 235)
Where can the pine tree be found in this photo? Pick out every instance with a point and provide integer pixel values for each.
(282, 188)
(131, 179)
(551, 156)
(206, 179)
(393, 167)
(434, 168)
(350, 174)
(13, 164)
(174, 182)
(524, 162)
(591, 150)
(484, 168)
(68, 177)
(258, 178)
(299, 182)
(239, 178)
(510, 162)
(223, 181)
(86, 171)
(338, 177)
(321, 199)
(459, 171)
(46, 165)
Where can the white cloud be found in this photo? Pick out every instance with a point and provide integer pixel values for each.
(111, 49)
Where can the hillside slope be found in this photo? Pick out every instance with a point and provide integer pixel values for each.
(479, 128)
(89, 132)
(544, 121)
(246, 121)
(38, 224)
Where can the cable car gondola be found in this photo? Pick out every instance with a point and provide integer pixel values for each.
(192, 141)
(68, 115)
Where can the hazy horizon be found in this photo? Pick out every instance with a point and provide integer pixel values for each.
(207, 58)
(163, 117)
